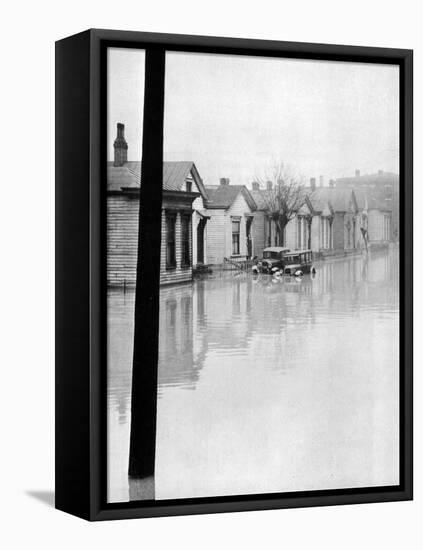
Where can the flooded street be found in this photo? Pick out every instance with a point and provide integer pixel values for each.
(266, 385)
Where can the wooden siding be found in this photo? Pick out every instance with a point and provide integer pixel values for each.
(198, 204)
(379, 226)
(316, 232)
(258, 231)
(122, 244)
(216, 236)
(122, 239)
(238, 209)
(338, 231)
(177, 274)
(219, 231)
(291, 234)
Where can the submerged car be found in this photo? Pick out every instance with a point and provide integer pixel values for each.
(273, 258)
(297, 262)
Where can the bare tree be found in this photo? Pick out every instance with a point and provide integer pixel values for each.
(283, 196)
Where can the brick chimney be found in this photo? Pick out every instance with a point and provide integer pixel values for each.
(120, 145)
(331, 183)
(269, 185)
(357, 173)
(224, 181)
(321, 181)
(256, 186)
(313, 184)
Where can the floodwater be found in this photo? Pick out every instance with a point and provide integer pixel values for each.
(266, 385)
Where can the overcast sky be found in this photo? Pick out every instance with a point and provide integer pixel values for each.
(235, 116)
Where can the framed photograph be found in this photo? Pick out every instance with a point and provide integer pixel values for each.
(234, 274)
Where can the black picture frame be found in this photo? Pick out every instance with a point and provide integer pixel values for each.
(81, 269)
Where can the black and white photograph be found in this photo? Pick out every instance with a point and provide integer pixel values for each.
(278, 367)
(211, 257)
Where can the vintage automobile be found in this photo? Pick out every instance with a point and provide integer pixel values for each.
(273, 258)
(298, 262)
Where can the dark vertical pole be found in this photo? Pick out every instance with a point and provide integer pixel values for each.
(146, 329)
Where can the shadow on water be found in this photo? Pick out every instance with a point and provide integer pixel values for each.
(46, 497)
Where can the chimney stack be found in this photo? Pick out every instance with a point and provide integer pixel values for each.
(313, 184)
(357, 173)
(321, 181)
(269, 185)
(255, 186)
(120, 145)
(331, 183)
(224, 181)
(380, 172)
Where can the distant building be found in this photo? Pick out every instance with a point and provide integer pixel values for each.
(229, 231)
(382, 192)
(184, 219)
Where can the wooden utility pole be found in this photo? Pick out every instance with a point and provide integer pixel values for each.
(146, 323)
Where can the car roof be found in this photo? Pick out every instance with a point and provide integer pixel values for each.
(276, 249)
(299, 251)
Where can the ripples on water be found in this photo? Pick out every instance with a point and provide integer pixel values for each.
(266, 385)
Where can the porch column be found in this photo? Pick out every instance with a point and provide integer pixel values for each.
(324, 222)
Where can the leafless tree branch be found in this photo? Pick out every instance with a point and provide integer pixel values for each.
(283, 194)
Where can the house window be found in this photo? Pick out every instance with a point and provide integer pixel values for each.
(189, 186)
(185, 242)
(170, 241)
(236, 227)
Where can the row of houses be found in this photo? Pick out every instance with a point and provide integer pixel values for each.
(204, 225)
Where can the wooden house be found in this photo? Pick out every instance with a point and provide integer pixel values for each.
(184, 219)
(229, 230)
(262, 226)
(380, 224)
(337, 221)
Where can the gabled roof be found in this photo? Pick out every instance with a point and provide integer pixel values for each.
(259, 196)
(338, 198)
(224, 196)
(175, 174)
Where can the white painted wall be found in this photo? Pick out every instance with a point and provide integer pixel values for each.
(379, 226)
(238, 209)
(219, 230)
(198, 204)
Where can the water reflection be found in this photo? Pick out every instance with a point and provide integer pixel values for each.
(296, 382)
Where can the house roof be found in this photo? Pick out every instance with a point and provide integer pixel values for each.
(224, 195)
(128, 176)
(259, 196)
(339, 198)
